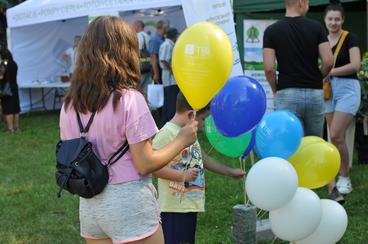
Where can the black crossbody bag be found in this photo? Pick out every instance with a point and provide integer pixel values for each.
(78, 169)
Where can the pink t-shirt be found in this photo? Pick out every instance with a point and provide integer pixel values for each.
(130, 121)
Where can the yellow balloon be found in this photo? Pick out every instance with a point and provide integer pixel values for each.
(307, 140)
(202, 62)
(316, 164)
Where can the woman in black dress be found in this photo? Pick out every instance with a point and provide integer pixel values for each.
(10, 104)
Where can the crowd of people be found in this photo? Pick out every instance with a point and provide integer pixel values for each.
(160, 47)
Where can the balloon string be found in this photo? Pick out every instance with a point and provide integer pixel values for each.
(260, 217)
(252, 157)
(210, 150)
(259, 213)
(212, 146)
(274, 239)
(242, 167)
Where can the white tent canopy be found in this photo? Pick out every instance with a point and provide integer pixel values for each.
(40, 11)
(41, 30)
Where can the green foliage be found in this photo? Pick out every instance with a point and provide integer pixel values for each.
(4, 4)
(31, 213)
(363, 79)
(9, 3)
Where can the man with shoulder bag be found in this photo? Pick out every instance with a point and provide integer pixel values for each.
(145, 56)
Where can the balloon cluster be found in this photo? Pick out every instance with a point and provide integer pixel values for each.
(236, 111)
(283, 187)
(202, 62)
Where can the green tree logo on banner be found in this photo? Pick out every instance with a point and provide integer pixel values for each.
(252, 35)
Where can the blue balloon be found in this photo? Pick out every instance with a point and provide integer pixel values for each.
(279, 134)
(239, 106)
(251, 144)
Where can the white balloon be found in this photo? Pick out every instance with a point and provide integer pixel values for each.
(332, 226)
(298, 218)
(271, 183)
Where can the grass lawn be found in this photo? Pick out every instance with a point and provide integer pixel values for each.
(30, 212)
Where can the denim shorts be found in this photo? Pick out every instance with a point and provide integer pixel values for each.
(345, 96)
(123, 212)
(307, 104)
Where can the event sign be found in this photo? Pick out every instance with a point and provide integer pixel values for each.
(253, 61)
(218, 12)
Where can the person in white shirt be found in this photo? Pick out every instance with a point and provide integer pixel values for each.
(143, 40)
(171, 90)
(70, 54)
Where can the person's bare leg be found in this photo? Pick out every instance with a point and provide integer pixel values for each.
(101, 241)
(10, 122)
(16, 121)
(156, 238)
(339, 125)
(329, 117)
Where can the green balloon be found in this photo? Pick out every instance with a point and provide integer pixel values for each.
(229, 146)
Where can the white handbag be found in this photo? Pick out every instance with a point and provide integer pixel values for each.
(155, 95)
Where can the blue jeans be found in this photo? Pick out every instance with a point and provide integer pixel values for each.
(307, 104)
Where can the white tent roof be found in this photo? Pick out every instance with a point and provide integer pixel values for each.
(39, 11)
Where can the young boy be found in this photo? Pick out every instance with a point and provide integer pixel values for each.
(181, 184)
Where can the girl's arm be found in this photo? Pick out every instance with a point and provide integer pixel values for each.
(147, 160)
(350, 68)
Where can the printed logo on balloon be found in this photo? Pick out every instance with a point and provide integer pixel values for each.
(202, 62)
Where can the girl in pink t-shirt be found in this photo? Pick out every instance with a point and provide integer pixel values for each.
(106, 80)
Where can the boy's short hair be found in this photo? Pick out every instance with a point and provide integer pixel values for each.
(182, 105)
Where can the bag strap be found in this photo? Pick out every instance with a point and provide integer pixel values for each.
(118, 154)
(339, 45)
(85, 130)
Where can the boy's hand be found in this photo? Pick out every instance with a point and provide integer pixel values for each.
(191, 174)
(236, 173)
(188, 134)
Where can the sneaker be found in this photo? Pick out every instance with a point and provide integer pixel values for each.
(336, 196)
(344, 185)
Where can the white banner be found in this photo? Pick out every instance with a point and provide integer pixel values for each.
(218, 12)
(253, 61)
(33, 12)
